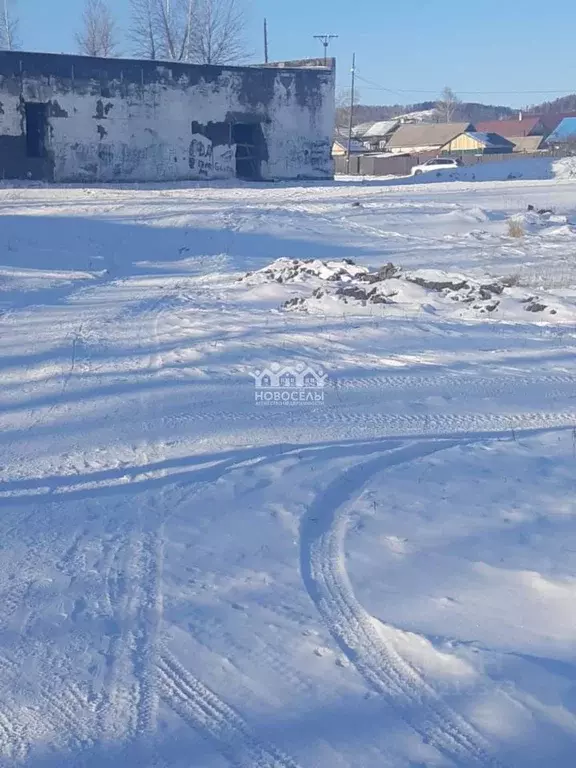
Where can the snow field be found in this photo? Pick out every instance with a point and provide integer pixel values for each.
(189, 578)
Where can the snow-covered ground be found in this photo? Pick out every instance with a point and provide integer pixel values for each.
(382, 576)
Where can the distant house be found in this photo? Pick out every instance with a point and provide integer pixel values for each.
(477, 143)
(524, 126)
(552, 120)
(565, 133)
(422, 138)
(376, 135)
(528, 143)
(358, 131)
(340, 148)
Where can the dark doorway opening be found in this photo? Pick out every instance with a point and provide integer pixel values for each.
(36, 129)
(247, 138)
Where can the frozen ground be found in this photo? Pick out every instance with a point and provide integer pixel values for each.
(189, 578)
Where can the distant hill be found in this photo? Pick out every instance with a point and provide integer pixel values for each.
(470, 111)
(558, 106)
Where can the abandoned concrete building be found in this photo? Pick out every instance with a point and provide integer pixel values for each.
(81, 119)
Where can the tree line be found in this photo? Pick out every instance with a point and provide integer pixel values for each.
(195, 31)
(446, 109)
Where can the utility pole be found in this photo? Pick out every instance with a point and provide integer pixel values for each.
(325, 40)
(350, 122)
(265, 41)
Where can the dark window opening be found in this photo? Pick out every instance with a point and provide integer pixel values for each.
(246, 137)
(36, 129)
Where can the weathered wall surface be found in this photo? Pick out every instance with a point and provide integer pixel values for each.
(123, 120)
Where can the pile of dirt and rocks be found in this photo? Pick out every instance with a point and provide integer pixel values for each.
(344, 286)
(303, 270)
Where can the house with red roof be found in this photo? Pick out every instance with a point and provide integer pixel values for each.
(528, 134)
(523, 126)
(552, 120)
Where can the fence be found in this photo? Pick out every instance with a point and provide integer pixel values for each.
(373, 165)
(401, 165)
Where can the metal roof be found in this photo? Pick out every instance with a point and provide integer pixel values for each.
(359, 130)
(356, 147)
(381, 129)
(427, 134)
(524, 127)
(490, 139)
(527, 143)
(566, 130)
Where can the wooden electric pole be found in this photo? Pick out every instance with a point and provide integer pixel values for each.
(265, 41)
(325, 40)
(350, 121)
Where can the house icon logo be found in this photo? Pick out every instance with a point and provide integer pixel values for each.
(299, 384)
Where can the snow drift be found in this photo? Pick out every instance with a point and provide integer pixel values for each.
(532, 168)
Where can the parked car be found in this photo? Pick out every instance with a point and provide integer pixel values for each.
(437, 164)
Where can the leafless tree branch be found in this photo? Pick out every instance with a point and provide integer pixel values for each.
(161, 28)
(8, 27)
(143, 31)
(217, 35)
(98, 35)
(199, 31)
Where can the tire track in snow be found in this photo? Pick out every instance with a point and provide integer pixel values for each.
(201, 708)
(463, 385)
(129, 704)
(117, 705)
(322, 563)
(60, 710)
(146, 627)
(13, 744)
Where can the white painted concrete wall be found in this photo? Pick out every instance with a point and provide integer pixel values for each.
(144, 133)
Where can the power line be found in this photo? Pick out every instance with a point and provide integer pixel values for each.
(376, 87)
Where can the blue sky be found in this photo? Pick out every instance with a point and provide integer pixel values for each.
(503, 53)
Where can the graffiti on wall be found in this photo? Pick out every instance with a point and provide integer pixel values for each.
(311, 157)
(201, 156)
(224, 161)
(317, 154)
(209, 160)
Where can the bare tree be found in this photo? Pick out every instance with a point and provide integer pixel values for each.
(161, 28)
(98, 35)
(447, 105)
(202, 31)
(343, 105)
(174, 18)
(143, 31)
(217, 35)
(8, 28)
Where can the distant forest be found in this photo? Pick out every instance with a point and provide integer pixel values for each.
(464, 111)
(564, 104)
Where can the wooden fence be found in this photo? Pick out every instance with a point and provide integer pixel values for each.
(374, 165)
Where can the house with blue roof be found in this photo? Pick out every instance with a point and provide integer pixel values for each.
(564, 133)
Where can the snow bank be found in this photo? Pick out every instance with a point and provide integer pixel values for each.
(507, 170)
